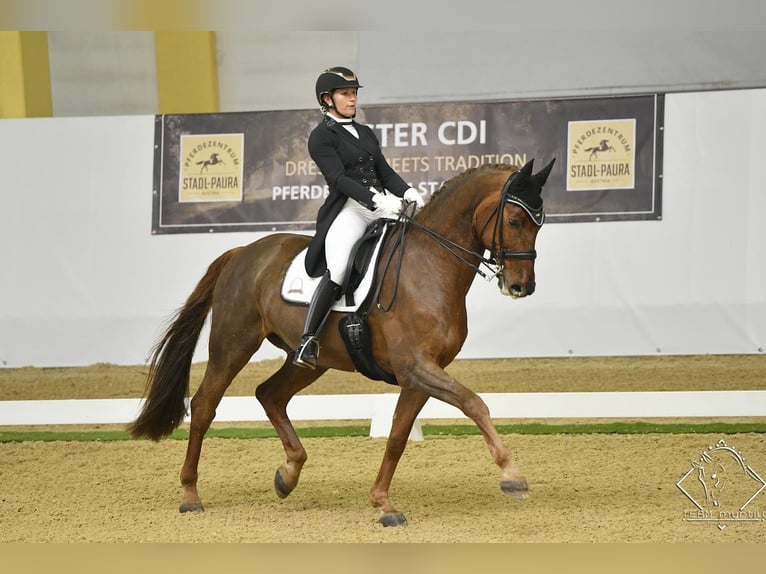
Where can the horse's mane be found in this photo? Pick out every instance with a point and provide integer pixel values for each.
(453, 181)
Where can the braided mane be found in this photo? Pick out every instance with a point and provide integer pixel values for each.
(452, 182)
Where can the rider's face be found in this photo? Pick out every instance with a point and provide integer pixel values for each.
(344, 100)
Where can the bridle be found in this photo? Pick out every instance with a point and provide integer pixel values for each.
(499, 255)
(493, 264)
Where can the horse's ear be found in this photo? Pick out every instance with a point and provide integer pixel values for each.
(526, 171)
(542, 175)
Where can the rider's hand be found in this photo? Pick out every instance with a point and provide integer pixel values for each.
(389, 205)
(413, 196)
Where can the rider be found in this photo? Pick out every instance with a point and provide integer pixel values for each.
(362, 187)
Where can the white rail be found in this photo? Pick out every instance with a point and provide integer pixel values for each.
(379, 408)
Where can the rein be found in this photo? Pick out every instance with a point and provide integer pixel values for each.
(493, 263)
(493, 269)
(489, 262)
(398, 245)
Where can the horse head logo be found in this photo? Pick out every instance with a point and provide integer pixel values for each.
(715, 476)
(719, 480)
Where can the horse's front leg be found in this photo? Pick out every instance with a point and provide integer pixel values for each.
(408, 406)
(274, 394)
(438, 384)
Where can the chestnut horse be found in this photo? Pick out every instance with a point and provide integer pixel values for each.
(492, 207)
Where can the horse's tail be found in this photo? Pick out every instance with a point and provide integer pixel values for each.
(168, 381)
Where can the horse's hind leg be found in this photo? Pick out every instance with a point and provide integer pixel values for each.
(218, 376)
(408, 406)
(274, 394)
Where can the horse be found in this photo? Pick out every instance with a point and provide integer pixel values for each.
(214, 160)
(602, 146)
(493, 207)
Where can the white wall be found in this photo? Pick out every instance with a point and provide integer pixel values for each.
(114, 72)
(102, 73)
(259, 70)
(82, 280)
(529, 63)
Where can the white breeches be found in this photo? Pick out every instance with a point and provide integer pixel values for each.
(343, 234)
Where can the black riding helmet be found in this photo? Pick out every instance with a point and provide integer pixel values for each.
(333, 79)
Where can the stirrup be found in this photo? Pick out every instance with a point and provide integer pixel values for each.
(307, 352)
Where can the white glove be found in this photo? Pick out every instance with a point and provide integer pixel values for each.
(413, 196)
(389, 205)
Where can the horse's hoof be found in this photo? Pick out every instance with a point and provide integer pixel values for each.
(283, 491)
(517, 489)
(191, 507)
(397, 519)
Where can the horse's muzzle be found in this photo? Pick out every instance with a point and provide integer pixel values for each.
(518, 290)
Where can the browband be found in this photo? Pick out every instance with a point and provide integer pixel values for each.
(537, 215)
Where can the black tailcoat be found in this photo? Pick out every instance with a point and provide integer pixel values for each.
(350, 166)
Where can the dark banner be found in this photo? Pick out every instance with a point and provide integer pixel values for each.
(251, 171)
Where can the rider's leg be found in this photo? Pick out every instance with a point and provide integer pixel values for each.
(344, 232)
(325, 295)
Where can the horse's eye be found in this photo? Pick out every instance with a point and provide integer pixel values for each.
(515, 223)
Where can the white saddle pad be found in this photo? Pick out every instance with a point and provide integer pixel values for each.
(298, 287)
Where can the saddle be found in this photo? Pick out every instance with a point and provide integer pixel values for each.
(298, 287)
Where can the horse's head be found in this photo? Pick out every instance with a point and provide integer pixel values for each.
(507, 225)
(724, 477)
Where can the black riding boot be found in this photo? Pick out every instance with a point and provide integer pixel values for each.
(325, 295)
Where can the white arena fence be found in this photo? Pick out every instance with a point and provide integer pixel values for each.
(379, 408)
